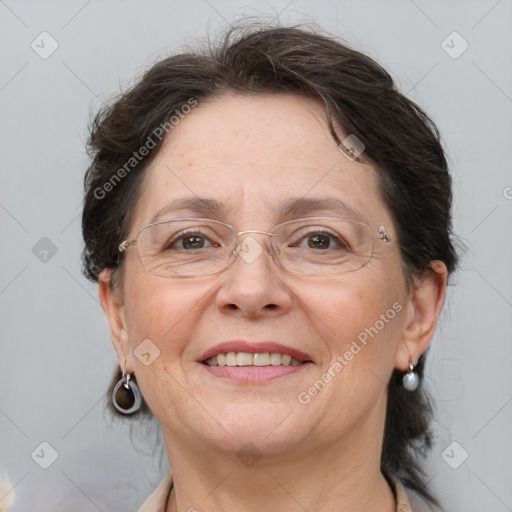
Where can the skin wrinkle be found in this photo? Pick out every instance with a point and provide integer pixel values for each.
(291, 209)
(325, 454)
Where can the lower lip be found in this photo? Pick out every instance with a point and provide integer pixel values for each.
(254, 373)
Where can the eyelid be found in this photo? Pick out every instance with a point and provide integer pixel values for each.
(313, 228)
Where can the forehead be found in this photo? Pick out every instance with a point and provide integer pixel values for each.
(254, 154)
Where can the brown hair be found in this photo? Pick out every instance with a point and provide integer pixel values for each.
(360, 98)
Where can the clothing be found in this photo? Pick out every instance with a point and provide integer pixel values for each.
(158, 500)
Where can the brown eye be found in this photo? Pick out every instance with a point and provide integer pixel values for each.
(189, 242)
(319, 241)
(193, 242)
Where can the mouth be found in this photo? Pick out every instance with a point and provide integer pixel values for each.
(260, 361)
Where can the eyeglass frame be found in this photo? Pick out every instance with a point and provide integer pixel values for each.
(126, 244)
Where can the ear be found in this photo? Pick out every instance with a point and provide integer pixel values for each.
(113, 307)
(423, 309)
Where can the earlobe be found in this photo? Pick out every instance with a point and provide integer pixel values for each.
(113, 308)
(424, 307)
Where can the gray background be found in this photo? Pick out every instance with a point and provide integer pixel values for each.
(56, 355)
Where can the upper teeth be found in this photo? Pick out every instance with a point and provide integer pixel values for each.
(248, 359)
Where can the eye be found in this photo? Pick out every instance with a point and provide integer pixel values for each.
(321, 240)
(193, 242)
(189, 241)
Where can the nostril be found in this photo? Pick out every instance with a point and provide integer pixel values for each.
(271, 306)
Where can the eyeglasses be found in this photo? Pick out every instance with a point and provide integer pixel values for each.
(315, 246)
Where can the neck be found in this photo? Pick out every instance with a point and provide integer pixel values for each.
(342, 476)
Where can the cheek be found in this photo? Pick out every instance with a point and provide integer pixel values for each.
(347, 309)
(162, 315)
(359, 322)
(165, 312)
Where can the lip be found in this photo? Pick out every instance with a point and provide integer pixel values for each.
(253, 348)
(254, 374)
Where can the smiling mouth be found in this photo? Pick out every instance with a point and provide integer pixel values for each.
(250, 359)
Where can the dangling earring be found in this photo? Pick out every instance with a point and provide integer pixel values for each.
(126, 396)
(411, 380)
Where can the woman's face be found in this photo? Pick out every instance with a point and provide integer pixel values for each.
(253, 155)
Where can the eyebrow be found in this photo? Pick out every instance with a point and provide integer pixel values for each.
(198, 205)
(297, 207)
(290, 209)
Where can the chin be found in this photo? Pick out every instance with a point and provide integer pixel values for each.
(271, 427)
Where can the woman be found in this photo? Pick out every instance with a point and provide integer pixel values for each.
(269, 223)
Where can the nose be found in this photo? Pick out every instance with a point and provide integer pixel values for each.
(252, 286)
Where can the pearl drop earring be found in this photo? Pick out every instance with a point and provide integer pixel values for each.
(411, 380)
